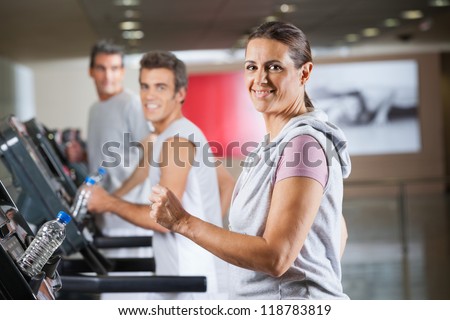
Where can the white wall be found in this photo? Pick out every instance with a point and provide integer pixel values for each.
(64, 92)
(17, 95)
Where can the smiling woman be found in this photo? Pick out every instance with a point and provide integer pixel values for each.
(274, 82)
(287, 232)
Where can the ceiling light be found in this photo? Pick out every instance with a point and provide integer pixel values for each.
(127, 3)
(439, 3)
(130, 25)
(132, 14)
(133, 35)
(391, 23)
(286, 8)
(370, 32)
(412, 14)
(352, 37)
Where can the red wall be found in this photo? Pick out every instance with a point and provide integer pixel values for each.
(219, 104)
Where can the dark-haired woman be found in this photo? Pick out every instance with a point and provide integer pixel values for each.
(287, 232)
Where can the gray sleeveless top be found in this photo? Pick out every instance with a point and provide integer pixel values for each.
(175, 254)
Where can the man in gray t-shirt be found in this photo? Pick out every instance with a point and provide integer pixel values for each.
(115, 121)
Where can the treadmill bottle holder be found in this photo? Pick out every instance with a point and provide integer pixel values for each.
(14, 235)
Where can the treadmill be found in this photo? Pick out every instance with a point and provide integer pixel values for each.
(15, 235)
(55, 159)
(70, 176)
(43, 194)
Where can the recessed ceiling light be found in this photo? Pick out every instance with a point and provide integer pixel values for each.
(133, 34)
(130, 25)
(352, 37)
(286, 8)
(370, 32)
(412, 14)
(439, 3)
(127, 3)
(391, 23)
(132, 14)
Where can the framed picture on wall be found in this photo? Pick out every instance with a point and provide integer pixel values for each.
(375, 103)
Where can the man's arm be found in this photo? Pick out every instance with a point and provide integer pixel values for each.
(177, 157)
(101, 201)
(176, 160)
(140, 173)
(226, 187)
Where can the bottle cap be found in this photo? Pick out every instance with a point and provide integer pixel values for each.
(101, 171)
(89, 181)
(64, 217)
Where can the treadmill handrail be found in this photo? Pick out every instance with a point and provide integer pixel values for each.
(101, 284)
(122, 242)
(77, 266)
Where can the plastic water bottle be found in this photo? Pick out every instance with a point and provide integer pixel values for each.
(79, 206)
(47, 240)
(99, 175)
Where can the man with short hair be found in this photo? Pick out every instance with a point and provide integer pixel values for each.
(177, 161)
(115, 121)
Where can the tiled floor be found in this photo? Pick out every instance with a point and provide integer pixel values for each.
(375, 265)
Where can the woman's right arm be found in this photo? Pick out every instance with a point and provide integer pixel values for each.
(289, 220)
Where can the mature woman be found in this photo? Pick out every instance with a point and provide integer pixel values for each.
(286, 232)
